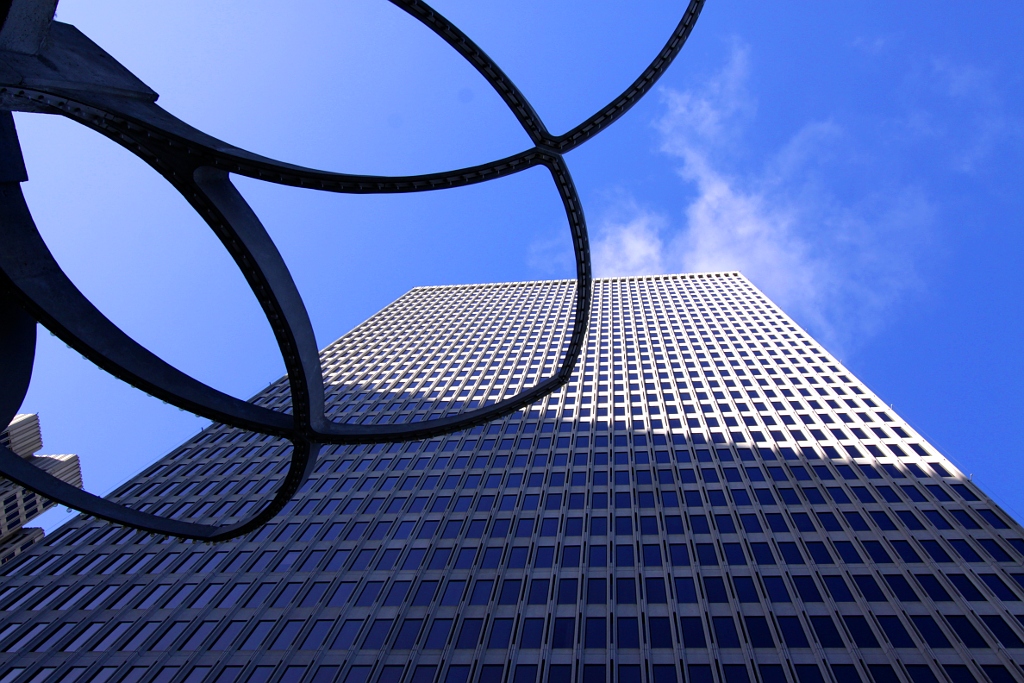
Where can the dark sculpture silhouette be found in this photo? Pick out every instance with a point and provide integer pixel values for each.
(52, 68)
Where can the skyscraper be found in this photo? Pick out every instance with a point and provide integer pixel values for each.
(24, 438)
(713, 497)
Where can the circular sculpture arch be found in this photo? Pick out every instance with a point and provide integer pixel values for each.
(52, 68)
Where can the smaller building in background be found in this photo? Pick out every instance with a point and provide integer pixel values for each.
(20, 505)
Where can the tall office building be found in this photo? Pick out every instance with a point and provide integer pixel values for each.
(23, 437)
(713, 497)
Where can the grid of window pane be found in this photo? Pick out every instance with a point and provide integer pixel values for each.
(712, 497)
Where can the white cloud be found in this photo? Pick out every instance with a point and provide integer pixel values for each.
(629, 247)
(833, 265)
(711, 113)
(729, 229)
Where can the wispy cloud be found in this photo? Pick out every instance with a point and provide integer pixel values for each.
(629, 244)
(871, 45)
(836, 266)
(552, 256)
(983, 123)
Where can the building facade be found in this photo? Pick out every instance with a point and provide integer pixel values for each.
(23, 437)
(712, 498)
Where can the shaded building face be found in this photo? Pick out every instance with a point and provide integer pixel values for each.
(712, 498)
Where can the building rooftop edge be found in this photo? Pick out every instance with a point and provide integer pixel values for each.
(714, 273)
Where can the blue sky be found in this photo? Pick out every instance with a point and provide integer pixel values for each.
(861, 163)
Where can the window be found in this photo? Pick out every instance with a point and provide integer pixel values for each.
(655, 589)
(725, 632)
(595, 633)
(501, 633)
(628, 632)
(807, 589)
(792, 632)
(406, 635)
(692, 632)
(686, 591)
(901, 587)
(933, 587)
(826, 632)
(759, 632)
(714, 589)
(776, 589)
(509, 592)
(1001, 590)
(869, 588)
(861, 631)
